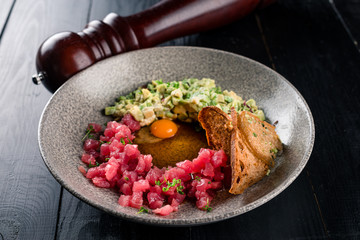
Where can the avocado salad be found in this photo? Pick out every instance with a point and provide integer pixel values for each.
(180, 100)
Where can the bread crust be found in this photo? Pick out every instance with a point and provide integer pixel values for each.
(246, 139)
(218, 127)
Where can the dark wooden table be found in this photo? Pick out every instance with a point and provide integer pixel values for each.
(313, 43)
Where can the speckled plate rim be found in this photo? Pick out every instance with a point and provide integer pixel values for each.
(206, 220)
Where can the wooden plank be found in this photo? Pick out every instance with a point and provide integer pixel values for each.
(348, 13)
(291, 215)
(29, 194)
(101, 8)
(5, 12)
(319, 58)
(279, 219)
(81, 221)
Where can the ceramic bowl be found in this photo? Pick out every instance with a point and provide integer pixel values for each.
(83, 98)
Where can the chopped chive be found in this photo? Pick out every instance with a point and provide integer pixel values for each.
(93, 165)
(88, 131)
(143, 210)
(207, 208)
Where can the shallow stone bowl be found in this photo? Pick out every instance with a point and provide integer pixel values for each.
(83, 98)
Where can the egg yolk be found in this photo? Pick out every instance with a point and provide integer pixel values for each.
(163, 128)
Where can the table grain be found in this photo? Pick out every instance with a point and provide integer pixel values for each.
(312, 43)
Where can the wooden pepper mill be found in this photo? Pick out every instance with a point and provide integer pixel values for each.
(67, 53)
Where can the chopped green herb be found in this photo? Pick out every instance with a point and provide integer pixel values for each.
(207, 208)
(93, 165)
(198, 178)
(255, 135)
(122, 141)
(179, 189)
(130, 142)
(126, 178)
(209, 182)
(89, 130)
(158, 182)
(143, 210)
(107, 159)
(171, 184)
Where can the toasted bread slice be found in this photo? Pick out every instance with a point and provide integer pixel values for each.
(260, 137)
(246, 168)
(218, 127)
(246, 139)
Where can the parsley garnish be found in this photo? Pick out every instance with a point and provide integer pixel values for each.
(207, 208)
(172, 184)
(126, 178)
(93, 165)
(130, 142)
(122, 141)
(255, 135)
(179, 189)
(143, 210)
(88, 131)
(198, 178)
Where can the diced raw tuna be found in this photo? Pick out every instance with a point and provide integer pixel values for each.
(88, 159)
(111, 169)
(187, 165)
(129, 121)
(123, 132)
(203, 157)
(91, 144)
(155, 200)
(126, 189)
(124, 167)
(141, 186)
(82, 170)
(101, 182)
(94, 128)
(218, 175)
(136, 200)
(208, 170)
(219, 159)
(164, 211)
(203, 185)
(96, 172)
(131, 151)
(154, 175)
(105, 149)
(124, 200)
